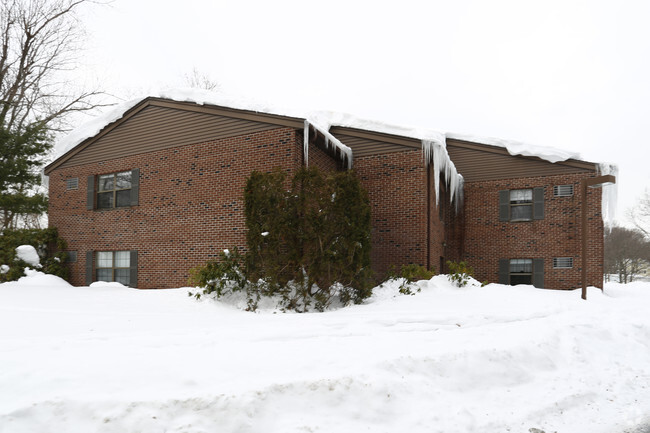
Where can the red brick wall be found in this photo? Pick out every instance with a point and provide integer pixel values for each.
(445, 224)
(397, 188)
(558, 235)
(191, 204)
(316, 157)
(191, 208)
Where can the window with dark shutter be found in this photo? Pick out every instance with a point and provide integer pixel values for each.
(522, 271)
(521, 204)
(114, 190)
(118, 266)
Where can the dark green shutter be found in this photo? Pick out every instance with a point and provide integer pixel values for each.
(90, 193)
(504, 271)
(133, 269)
(538, 273)
(89, 267)
(504, 205)
(538, 203)
(135, 187)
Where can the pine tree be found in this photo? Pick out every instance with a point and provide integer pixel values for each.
(22, 153)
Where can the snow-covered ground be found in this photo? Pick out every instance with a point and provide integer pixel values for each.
(480, 359)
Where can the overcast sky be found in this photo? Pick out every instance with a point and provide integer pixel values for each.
(563, 73)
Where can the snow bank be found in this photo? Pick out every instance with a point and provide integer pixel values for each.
(479, 359)
(28, 254)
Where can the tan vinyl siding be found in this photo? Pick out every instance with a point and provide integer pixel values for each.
(155, 128)
(365, 143)
(479, 162)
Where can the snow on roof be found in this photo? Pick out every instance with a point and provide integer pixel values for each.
(323, 120)
(546, 153)
(433, 142)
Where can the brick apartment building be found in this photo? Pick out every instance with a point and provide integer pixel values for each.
(159, 190)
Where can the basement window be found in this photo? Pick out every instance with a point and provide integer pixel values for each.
(521, 271)
(563, 190)
(562, 262)
(113, 266)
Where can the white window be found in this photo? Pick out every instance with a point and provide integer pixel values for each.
(521, 271)
(113, 266)
(562, 262)
(521, 205)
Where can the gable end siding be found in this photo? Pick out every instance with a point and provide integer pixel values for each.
(157, 128)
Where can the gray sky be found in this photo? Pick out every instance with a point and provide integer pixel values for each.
(563, 73)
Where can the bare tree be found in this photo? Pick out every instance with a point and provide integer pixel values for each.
(38, 45)
(200, 80)
(626, 252)
(640, 214)
(40, 42)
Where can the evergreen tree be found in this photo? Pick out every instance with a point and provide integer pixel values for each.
(22, 153)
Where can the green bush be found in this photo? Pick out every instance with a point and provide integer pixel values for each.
(308, 241)
(225, 277)
(459, 273)
(409, 274)
(48, 244)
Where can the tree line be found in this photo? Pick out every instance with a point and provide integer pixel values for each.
(627, 249)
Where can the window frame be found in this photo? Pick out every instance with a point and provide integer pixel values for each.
(114, 190)
(527, 204)
(113, 266)
(537, 271)
(92, 191)
(529, 263)
(537, 206)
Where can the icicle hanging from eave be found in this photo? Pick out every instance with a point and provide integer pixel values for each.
(330, 142)
(435, 152)
(610, 192)
(305, 144)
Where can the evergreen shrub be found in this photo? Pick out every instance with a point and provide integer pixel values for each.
(409, 274)
(48, 244)
(459, 273)
(308, 241)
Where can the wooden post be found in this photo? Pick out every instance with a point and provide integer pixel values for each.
(592, 182)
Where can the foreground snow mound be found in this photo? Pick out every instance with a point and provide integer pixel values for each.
(447, 359)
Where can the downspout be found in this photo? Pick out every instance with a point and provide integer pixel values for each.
(429, 217)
